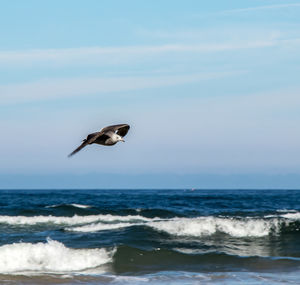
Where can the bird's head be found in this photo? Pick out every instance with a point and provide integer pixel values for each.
(120, 139)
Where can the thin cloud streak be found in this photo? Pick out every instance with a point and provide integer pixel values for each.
(115, 54)
(60, 88)
(266, 7)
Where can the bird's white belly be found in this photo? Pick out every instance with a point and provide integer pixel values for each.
(110, 141)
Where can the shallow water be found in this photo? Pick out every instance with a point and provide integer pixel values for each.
(153, 236)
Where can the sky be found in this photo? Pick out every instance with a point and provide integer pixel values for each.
(210, 89)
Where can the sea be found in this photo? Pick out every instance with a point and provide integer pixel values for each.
(186, 236)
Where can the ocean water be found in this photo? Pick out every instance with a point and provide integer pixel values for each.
(150, 236)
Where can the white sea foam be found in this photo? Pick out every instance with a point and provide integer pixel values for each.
(74, 205)
(74, 220)
(197, 227)
(202, 226)
(287, 214)
(292, 216)
(81, 206)
(130, 280)
(286, 211)
(50, 257)
(95, 227)
(53, 206)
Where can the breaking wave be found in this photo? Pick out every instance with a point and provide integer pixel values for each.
(100, 227)
(197, 227)
(292, 216)
(194, 227)
(53, 257)
(50, 257)
(201, 226)
(74, 220)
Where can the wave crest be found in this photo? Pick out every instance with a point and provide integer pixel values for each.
(74, 220)
(50, 257)
(73, 205)
(95, 227)
(196, 227)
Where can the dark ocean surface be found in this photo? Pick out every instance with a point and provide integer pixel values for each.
(150, 236)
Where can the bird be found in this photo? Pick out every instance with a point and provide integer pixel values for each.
(108, 136)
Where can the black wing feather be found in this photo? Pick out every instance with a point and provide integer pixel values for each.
(120, 129)
(85, 143)
(123, 131)
(89, 140)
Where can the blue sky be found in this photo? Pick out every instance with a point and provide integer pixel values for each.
(209, 88)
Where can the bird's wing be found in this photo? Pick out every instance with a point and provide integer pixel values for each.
(85, 143)
(121, 129)
(92, 137)
(89, 140)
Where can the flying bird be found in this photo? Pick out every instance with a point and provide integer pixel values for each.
(107, 136)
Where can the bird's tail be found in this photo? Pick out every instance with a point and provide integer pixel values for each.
(79, 148)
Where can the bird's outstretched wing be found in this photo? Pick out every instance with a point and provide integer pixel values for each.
(121, 129)
(85, 143)
(89, 140)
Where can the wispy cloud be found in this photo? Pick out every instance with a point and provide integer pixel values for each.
(59, 88)
(257, 8)
(116, 55)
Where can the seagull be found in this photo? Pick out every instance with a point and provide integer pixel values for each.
(109, 135)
